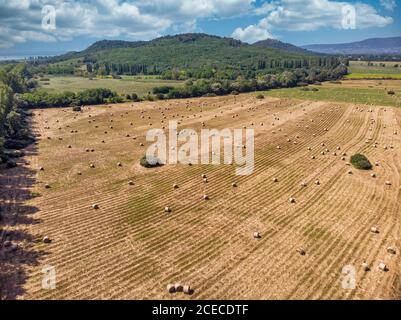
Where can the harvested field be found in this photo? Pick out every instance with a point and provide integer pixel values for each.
(130, 248)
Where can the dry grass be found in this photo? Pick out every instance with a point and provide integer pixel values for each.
(130, 248)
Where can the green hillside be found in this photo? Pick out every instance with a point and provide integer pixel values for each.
(182, 56)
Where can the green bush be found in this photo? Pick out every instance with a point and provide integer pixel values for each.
(360, 161)
(150, 162)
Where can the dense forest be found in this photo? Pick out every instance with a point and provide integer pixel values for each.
(183, 57)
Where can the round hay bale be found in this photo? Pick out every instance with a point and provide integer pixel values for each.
(256, 235)
(391, 250)
(175, 186)
(131, 183)
(313, 157)
(292, 200)
(317, 182)
(47, 186)
(303, 184)
(170, 288)
(205, 180)
(205, 197)
(92, 165)
(187, 289)
(167, 209)
(388, 183)
(178, 287)
(275, 180)
(373, 175)
(301, 251)
(95, 206)
(204, 176)
(119, 164)
(365, 266)
(41, 169)
(374, 230)
(46, 239)
(234, 185)
(383, 266)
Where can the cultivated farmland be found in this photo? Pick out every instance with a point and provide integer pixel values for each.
(284, 232)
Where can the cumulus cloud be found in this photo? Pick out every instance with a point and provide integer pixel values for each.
(253, 33)
(21, 20)
(388, 4)
(309, 15)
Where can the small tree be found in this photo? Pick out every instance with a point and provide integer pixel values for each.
(360, 161)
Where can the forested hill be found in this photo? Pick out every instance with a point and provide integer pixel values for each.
(276, 44)
(195, 55)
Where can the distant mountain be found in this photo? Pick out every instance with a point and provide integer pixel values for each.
(276, 44)
(375, 46)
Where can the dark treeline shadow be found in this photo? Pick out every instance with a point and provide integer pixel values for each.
(17, 251)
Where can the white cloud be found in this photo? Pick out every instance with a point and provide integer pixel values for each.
(134, 19)
(308, 15)
(388, 4)
(253, 33)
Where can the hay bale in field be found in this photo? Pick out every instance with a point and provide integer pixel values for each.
(383, 266)
(256, 235)
(350, 172)
(313, 157)
(365, 266)
(92, 165)
(317, 182)
(46, 239)
(388, 183)
(278, 147)
(178, 287)
(303, 184)
(205, 197)
(47, 186)
(187, 289)
(131, 183)
(275, 180)
(205, 180)
(391, 250)
(234, 185)
(301, 251)
(95, 206)
(119, 164)
(204, 176)
(292, 200)
(175, 186)
(374, 230)
(41, 169)
(167, 209)
(373, 175)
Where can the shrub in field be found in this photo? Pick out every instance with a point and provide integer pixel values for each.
(150, 162)
(360, 161)
(260, 96)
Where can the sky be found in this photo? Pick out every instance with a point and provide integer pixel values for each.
(50, 27)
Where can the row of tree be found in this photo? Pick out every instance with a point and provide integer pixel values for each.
(43, 99)
(14, 132)
(285, 79)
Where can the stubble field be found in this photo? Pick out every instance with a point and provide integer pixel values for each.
(130, 248)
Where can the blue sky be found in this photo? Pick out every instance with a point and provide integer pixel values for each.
(80, 23)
